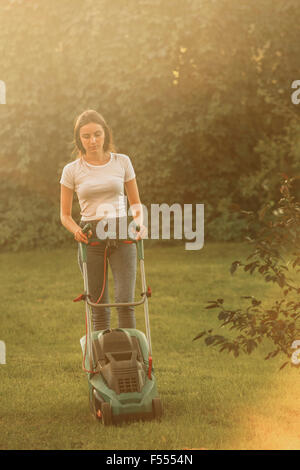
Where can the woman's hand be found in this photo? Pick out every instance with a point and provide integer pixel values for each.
(142, 233)
(79, 236)
(136, 208)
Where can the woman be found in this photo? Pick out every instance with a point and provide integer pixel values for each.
(98, 176)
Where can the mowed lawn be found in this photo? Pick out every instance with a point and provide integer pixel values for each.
(211, 400)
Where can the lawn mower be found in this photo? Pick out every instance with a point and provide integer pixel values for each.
(118, 362)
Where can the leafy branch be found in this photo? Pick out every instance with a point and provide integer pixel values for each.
(275, 256)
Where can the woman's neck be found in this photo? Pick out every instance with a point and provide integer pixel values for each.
(97, 158)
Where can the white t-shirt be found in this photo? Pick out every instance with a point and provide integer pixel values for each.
(99, 188)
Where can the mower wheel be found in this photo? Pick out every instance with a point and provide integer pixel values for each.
(106, 414)
(157, 408)
(95, 404)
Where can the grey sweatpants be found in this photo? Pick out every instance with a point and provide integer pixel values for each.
(122, 261)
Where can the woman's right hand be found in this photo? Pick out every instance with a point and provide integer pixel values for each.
(79, 236)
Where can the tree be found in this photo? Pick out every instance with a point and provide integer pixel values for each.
(198, 93)
(275, 255)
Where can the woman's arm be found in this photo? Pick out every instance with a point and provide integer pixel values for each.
(136, 206)
(66, 201)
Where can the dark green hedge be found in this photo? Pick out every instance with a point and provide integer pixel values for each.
(198, 93)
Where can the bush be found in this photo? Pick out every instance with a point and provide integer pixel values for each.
(275, 255)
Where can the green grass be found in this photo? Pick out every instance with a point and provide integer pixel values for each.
(210, 400)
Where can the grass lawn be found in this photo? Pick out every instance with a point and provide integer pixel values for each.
(211, 400)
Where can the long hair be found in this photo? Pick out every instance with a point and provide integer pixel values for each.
(85, 118)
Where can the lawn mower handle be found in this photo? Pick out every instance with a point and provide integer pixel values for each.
(139, 243)
(145, 294)
(140, 250)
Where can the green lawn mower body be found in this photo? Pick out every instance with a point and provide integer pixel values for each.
(123, 387)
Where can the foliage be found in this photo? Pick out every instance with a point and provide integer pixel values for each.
(29, 222)
(275, 256)
(197, 93)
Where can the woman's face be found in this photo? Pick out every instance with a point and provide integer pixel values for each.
(92, 137)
